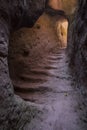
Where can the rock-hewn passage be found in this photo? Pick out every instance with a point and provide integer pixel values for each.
(50, 84)
(56, 103)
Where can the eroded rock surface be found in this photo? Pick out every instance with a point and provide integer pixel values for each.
(22, 12)
(14, 113)
(78, 44)
(62, 31)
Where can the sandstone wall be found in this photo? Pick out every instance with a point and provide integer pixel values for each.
(62, 31)
(68, 6)
(55, 4)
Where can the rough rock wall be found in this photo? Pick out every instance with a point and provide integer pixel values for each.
(20, 13)
(14, 112)
(78, 44)
(69, 6)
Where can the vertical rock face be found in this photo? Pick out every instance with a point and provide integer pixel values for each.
(14, 113)
(20, 13)
(69, 6)
(78, 43)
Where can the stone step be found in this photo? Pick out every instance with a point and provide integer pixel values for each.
(29, 89)
(50, 67)
(28, 97)
(33, 78)
(25, 85)
(41, 72)
(54, 59)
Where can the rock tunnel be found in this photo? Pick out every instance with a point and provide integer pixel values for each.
(43, 65)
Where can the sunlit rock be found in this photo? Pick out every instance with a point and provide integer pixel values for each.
(55, 4)
(68, 6)
(62, 29)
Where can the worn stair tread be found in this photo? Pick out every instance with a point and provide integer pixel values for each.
(33, 78)
(40, 71)
(32, 90)
(50, 67)
(22, 84)
(54, 57)
(28, 97)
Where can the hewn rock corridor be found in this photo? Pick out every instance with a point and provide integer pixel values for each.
(43, 65)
